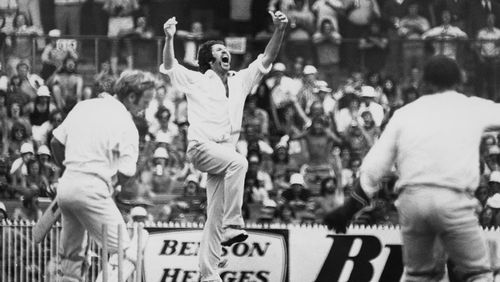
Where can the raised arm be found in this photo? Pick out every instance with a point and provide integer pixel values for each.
(168, 50)
(273, 46)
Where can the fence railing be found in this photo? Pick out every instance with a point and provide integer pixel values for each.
(147, 53)
(22, 260)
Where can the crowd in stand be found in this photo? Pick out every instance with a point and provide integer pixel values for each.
(306, 127)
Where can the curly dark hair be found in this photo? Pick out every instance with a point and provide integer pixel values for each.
(205, 56)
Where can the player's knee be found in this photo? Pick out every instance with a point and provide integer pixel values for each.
(240, 163)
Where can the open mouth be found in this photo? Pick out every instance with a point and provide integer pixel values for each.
(225, 60)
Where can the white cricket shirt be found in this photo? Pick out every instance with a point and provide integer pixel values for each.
(100, 138)
(433, 141)
(212, 116)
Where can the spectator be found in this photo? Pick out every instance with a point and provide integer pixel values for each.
(192, 39)
(48, 168)
(164, 96)
(140, 31)
(167, 131)
(369, 129)
(8, 10)
(358, 139)
(326, 101)
(120, 23)
(254, 115)
(329, 10)
(35, 181)
(286, 214)
(319, 144)
(283, 166)
(445, 37)
(476, 13)
(302, 27)
(19, 168)
(192, 202)
(139, 214)
(374, 45)
(252, 141)
(305, 96)
(53, 55)
(28, 85)
(327, 42)
(45, 131)
(106, 78)
(410, 94)
(281, 87)
(456, 8)
(29, 210)
(264, 183)
(374, 79)
(358, 15)
(368, 95)
(414, 80)
(21, 45)
(488, 53)
(163, 179)
(345, 116)
(67, 16)
(411, 28)
(490, 216)
(297, 195)
(41, 109)
(16, 116)
(67, 84)
(330, 197)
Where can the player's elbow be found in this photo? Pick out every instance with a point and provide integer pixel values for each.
(57, 151)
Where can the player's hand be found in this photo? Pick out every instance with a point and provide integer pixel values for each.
(279, 19)
(170, 27)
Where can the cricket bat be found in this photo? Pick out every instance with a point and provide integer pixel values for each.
(44, 224)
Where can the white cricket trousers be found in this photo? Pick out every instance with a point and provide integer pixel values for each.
(226, 170)
(86, 204)
(435, 220)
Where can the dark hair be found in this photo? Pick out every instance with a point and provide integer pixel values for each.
(322, 189)
(26, 18)
(18, 126)
(205, 54)
(442, 72)
(133, 82)
(161, 111)
(324, 22)
(9, 109)
(52, 116)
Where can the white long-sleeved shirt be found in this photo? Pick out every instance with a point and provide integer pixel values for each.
(445, 36)
(433, 142)
(100, 138)
(212, 116)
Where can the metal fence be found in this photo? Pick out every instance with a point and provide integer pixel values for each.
(24, 261)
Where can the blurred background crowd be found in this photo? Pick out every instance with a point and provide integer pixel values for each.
(344, 69)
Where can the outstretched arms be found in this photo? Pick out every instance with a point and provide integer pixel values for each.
(272, 49)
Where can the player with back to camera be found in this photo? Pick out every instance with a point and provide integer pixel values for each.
(437, 178)
(97, 140)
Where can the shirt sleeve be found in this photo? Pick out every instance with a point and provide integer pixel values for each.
(128, 148)
(490, 111)
(61, 132)
(380, 159)
(181, 77)
(253, 74)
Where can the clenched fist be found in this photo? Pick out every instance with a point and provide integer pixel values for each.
(170, 27)
(279, 19)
